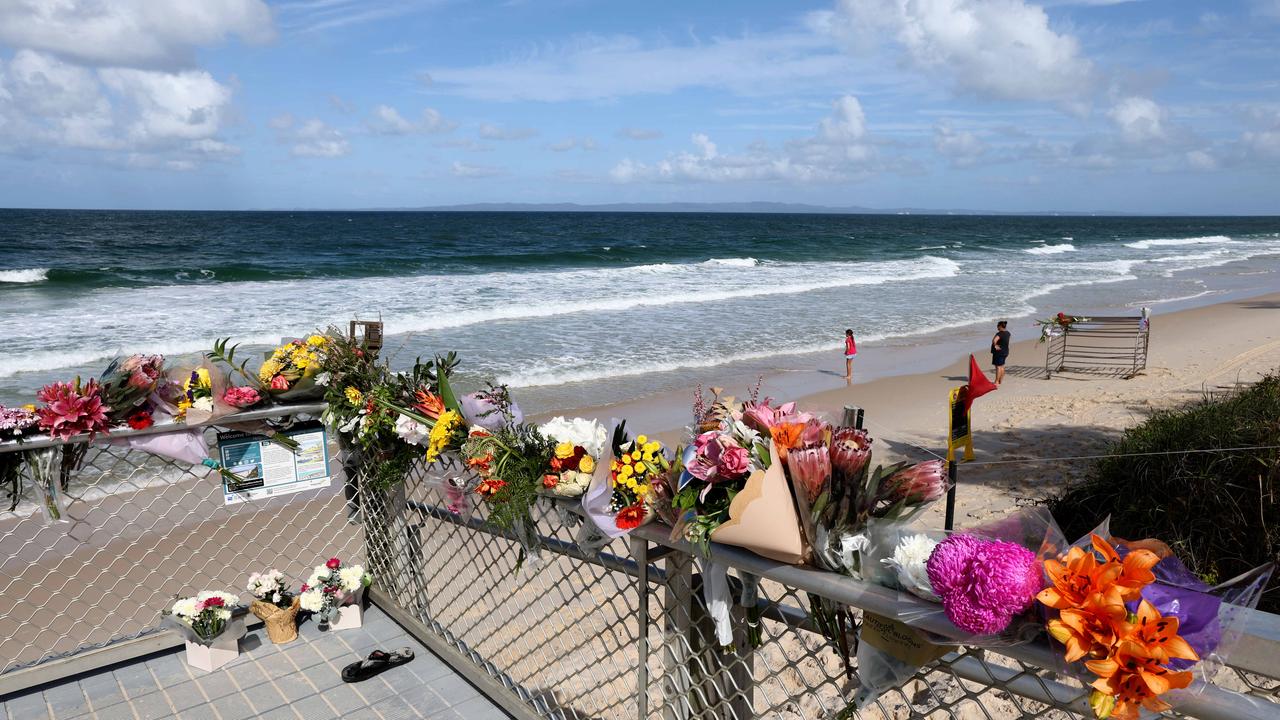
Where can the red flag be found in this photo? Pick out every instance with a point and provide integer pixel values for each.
(978, 385)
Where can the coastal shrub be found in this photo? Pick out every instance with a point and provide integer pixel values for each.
(1219, 511)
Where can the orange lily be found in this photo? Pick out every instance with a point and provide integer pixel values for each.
(786, 435)
(1159, 635)
(429, 404)
(1092, 628)
(481, 464)
(1135, 570)
(1136, 680)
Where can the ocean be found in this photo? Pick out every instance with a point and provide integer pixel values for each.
(577, 309)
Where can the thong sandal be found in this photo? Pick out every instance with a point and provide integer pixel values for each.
(376, 663)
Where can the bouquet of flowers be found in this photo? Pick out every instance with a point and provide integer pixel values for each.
(579, 445)
(621, 500)
(275, 605)
(71, 409)
(1139, 620)
(511, 464)
(14, 424)
(128, 386)
(292, 365)
(332, 586)
(203, 617)
(1057, 325)
(197, 394)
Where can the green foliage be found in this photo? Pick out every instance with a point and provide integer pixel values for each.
(521, 455)
(1219, 511)
(224, 354)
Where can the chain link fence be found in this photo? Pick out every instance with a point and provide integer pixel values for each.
(136, 530)
(574, 631)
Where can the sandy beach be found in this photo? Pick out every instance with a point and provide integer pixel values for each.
(1192, 352)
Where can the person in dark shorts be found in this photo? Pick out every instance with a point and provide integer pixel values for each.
(1000, 349)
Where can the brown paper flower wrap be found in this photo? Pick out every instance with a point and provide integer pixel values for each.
(763, 519)
(281, 623)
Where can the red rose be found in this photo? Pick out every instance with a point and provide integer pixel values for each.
(330, 589)
(333, 564)
(279, 382)
(140, 420)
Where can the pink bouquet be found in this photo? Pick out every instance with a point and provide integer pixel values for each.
(983, 584)
(241, 396)
(70, 409)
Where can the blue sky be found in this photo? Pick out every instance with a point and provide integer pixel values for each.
(986, 104)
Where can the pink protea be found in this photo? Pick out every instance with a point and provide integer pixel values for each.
(810, 469)
(918, 484)
(70, 409)
(983, 584)
(850, 452)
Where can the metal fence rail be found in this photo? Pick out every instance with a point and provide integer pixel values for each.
(571, 632)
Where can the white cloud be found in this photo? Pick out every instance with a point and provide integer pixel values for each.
(1138, 119)
(633, 133)
(961, 147)
(130, 33)
(387, 120)
(489, 131)
(465, 170)
(595, 68)
(569, 143)
(141, 113)
(314, 139)
(997, 48)
(1201, 160)
(840, 150)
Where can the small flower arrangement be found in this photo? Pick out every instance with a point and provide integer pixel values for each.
(241, 396)
(983, 584)
(71, 408)
(197, 393)
(1058, 324)
(636, 464)
(332, 586)
(292, 363)
(275, 605)
(16, 422)
(205, 615)
(579, 443)
(128, 386)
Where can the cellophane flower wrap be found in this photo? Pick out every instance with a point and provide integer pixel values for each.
(1136, 626)
(131, 386)
(289, 371)
(204, 617)
(621, 496)
(579, 445)
(331, 586)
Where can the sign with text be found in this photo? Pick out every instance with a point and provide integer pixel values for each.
(268, 469)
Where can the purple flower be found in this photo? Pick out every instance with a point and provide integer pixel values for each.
(983, 584)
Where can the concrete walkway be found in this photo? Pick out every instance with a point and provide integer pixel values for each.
(300, 680)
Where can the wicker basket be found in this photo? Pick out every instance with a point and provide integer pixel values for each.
(281, 623)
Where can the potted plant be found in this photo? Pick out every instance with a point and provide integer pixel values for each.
(206, 622)
(333, 594)
(274, 605)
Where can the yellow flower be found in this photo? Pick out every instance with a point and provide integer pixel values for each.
(203, 374)
(635, 455)
(29, 407)
(625, 472)
(586, 464)
(642, 440)
(442, 433)
(316, 340)
(652, 447)
(354, 396)
(564, 450)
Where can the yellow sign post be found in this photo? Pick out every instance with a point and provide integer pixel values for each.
(959, 432)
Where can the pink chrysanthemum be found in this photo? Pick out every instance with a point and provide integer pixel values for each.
(983, 584)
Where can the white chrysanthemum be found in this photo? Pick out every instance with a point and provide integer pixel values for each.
(351, 578)
(184, 608)
(311, 600)
(205, 404)
(908, 561)
(412, 431)
(590, 435)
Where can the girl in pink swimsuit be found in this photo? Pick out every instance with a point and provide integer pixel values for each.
(850, 349)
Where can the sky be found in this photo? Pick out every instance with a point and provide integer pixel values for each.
(1009, 105)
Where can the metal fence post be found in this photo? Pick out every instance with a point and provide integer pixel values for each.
(952, 473)
(640, 553)
(852, 417)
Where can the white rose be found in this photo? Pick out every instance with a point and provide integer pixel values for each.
(572, 484)
(589, 434)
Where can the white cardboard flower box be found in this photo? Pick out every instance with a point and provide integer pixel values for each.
(223, 649)
(350, 616)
